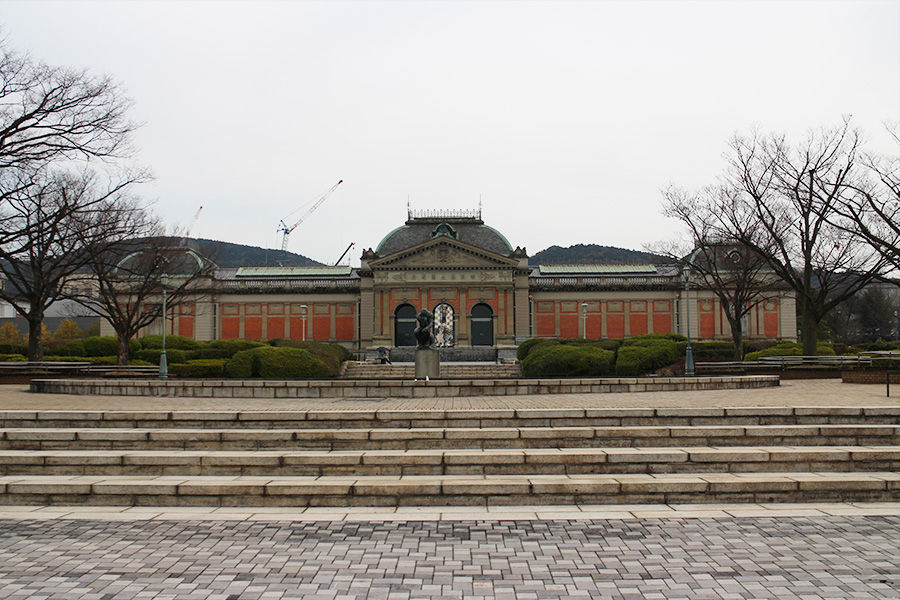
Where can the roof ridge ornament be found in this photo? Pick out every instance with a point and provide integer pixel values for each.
(443, 214)
(446, 229)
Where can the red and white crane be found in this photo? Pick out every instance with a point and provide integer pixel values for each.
(286, 230)
(187, 231)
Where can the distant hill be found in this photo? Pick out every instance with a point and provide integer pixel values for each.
(581, 254)
(226, 254)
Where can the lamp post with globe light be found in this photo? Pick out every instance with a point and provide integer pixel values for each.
(163, 363)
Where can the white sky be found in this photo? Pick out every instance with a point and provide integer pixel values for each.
(565, 118)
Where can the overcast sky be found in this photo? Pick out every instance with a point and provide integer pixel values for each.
(565, 119)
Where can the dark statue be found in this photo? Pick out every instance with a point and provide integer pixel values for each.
(424, 332)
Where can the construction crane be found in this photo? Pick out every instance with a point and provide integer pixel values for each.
(338, 261)
(187, 230)
(287, 230)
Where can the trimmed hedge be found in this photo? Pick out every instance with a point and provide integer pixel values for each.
(232, 347)
(13, 358)
(106, 345)
(639, 359)
(94, 360)
(790, 349)
(69, 348)
(279, 363)
(529, 345)
(14, 349)
(209, 353)
(173, 342)
(568, 360)
(333, 354)
(211, 367)
(173, 356)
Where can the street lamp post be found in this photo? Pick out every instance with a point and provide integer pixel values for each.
(688, 351)
(163, 363)
(303, 320)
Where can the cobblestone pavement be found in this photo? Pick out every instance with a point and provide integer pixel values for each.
(665, 559)
(821, 392)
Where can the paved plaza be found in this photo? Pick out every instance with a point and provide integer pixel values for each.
(820, 392)
(665, 559)
(700, 551)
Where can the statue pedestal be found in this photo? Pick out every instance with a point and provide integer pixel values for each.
(428, 364)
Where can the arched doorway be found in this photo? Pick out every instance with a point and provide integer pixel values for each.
(444, 325)
(482, 325)
(405, 325)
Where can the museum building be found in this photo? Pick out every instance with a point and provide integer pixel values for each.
(482, 291)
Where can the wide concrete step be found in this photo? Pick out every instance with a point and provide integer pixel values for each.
(451, 462)
(450, 489)
(487, 370)
(487, 417)
(34, 438)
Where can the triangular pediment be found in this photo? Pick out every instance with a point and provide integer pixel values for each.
(443, 253)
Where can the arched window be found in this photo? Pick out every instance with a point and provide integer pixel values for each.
(482, 325)
(444, 325)
(405, 325)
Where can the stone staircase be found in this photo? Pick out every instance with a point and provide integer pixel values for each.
(449, 457)
(407, 371)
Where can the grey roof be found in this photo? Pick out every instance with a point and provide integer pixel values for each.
(326, 271)
(596, 269)
(418, 231)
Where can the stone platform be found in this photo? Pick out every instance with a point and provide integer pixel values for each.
(376, 388)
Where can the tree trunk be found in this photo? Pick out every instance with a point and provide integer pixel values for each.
(737, 336)
(122, 349)
(35, 343)
(809, 331)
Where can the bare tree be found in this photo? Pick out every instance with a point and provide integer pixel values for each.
(48, 230)
(871, 206)
(48, 113)
(65, 144)
(787, 207)
(124, 283)
(738, 275)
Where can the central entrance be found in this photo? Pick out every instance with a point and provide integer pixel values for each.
(444, 326)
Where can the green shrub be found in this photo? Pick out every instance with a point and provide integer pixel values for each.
(14, 349)
(757, 345)
(294, 363)
(567, 360)
(664, 351)
(240, 366)
(231, 347)
(644, 354)
(209, 353)
(69, 348)
(342, 353)
(526, 347)
(172, 356)
(333, 354)
(12, 358)
(106, 345)
(632, 361)
(173, 342)
(280, 363)
(94, 360)
(712, 349)
(878, 345)
(790, 349)
(210, 367)
(669, 337)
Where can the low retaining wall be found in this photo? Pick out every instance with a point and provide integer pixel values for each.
(248, 388)
(871, 376)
